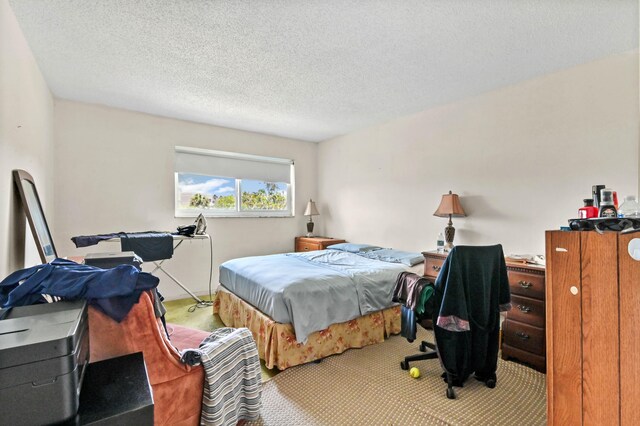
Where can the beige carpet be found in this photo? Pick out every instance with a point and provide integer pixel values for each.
(367, 387)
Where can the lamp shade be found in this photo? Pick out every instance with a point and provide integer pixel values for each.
(450, 205)
(311, 209)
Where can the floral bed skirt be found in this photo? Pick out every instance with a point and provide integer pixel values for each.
(277, 344)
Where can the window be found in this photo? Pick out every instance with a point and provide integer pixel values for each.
(218, 183)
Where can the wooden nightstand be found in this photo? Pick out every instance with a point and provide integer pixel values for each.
(315, 243)
(433, 263)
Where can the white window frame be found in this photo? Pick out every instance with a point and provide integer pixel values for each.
(289, 212)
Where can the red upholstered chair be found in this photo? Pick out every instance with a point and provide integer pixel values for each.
(177, 388)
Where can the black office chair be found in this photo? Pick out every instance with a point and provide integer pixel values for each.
(471, 290)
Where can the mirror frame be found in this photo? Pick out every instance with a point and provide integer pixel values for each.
(22, 178)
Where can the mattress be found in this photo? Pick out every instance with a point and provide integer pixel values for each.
(312, 290)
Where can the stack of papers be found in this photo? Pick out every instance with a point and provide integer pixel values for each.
(534, 259)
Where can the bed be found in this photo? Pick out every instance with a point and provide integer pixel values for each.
(302, 307)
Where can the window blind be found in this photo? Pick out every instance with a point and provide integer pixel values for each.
(232, 165)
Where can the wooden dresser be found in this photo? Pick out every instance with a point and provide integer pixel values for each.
(315, 243)
(593, 314)
(523, 330)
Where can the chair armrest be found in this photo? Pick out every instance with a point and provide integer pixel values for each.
(177, 387)
(140, 331)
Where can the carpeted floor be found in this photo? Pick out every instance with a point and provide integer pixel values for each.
(186, 313)
(367, 387)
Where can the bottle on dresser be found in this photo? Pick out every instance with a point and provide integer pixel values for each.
(595, 193)
(588, 211)
(607, 207)
(629, 207)
(440, 243)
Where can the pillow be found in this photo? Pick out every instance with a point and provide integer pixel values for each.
(353, 248)
(395, 256)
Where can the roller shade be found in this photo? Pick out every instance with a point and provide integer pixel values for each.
(232, 165)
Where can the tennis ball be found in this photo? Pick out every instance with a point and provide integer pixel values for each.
(414, 372)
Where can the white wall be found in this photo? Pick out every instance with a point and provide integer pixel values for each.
(114, 172)
(26, 140)
(522, 159)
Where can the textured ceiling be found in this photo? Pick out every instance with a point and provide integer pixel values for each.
(310, 70)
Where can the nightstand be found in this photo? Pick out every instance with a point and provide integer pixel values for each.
(433, 261)
(315, 243)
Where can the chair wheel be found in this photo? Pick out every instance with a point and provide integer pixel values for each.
(423, 348)
(491, 383)
(404, 365)
(451, 394)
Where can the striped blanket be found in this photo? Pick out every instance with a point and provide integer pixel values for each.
(233, 385)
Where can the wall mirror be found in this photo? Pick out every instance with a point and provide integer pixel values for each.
(35, 215)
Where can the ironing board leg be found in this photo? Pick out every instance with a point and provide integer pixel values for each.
(175, 280)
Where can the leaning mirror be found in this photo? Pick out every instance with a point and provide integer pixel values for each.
(35, 215)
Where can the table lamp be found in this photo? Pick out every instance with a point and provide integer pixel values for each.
(449, 206)
(310, 211)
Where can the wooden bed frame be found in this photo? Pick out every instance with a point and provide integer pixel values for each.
(277, 344)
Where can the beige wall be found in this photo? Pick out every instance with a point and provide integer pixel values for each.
(114, 172)
(522, 159)
(26, 140)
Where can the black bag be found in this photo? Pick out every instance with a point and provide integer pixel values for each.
(605, 224)
(187, 230)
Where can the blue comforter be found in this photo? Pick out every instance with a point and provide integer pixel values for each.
(312, 290)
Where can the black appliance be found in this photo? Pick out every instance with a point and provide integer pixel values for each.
(44, 350)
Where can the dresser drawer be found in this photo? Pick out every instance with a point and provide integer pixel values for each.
(307, 246)
(536, 361)
(527, 310)
(523, 336)
(432, 266)
(524, 284)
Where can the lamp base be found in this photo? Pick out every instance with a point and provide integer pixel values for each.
(449, 233)
(310, 229)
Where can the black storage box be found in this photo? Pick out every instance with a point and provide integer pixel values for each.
(44, 350)
(111, 260)
(116, 392)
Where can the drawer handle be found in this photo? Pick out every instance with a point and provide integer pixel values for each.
(523, 336)
(525, 309)
(436, 267)
(306, 248)
(525, 284)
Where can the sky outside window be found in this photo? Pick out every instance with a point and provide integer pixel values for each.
(209, 186)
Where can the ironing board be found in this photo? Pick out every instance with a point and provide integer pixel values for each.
(177, 242)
